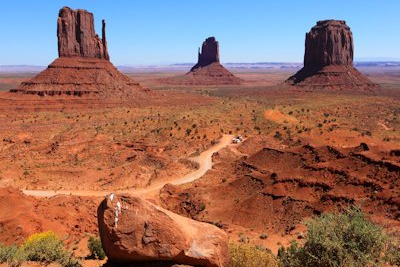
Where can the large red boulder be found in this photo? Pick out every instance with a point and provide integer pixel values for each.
(135, 230)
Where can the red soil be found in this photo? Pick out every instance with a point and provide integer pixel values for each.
(273, 190)
(68, 216)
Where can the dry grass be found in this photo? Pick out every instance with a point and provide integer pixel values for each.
(250, 256)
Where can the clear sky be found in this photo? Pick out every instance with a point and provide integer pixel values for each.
(145, 32)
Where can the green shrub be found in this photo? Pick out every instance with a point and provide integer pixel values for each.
(393, 252)
(43, 247)
(248, 256)
(95, 248)
(10, 255)
(337, 240)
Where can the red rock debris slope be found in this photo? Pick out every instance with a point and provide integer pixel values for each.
(69, 216)
(273, 190)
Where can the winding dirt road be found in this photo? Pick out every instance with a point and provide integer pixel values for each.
(205, 164)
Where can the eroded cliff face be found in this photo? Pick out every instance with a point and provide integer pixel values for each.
(328, 60)
(83, 66)
(330, 42)
(209, 52)
(77, 36)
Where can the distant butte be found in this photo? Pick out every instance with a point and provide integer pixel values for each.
(209, 53)
(328, 60)
(83, 66)
(208, 70)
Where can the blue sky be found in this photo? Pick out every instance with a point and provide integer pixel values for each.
(145, 32)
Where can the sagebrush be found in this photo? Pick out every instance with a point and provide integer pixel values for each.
(96, 248)
(43, 247)
(337, 240)
(244, 255)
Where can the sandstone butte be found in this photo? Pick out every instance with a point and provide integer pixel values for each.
(135, 230)
(83, 66)
(208, 70)
(328, 60)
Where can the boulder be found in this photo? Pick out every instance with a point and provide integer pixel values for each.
(135, 230)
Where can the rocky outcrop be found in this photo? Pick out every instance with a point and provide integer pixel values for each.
(209, 53)
(77, 36)
(83, 67)
(330, 42)
(208, 70)
(134, 230)
(328, 60)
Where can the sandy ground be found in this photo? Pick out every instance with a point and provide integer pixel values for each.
(67, 158)
(204, 160)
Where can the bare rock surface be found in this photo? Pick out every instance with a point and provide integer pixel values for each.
(135, 230)
(83, 67)
(77, 36)
(328, 60)
(330, 42)
(209, 53)
(208, 70)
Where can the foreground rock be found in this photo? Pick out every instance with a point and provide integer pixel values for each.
(134, 230)
(328, 60)
(83, 67)
(208, 70)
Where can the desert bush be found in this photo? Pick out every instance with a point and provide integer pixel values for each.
(10, 255)
(96, 248)
(392, 255)
(248, 256)
(47, 247)
(44, 247)
(338, 239)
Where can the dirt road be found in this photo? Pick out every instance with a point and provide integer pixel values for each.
(205, 164)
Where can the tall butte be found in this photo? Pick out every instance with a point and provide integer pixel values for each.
(328, 60)
(83, 66)
(208, 70)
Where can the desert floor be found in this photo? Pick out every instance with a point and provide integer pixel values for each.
(303, 153)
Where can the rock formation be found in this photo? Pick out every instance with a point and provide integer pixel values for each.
(83, 66)
(77, 37)
(208, 70)
(328, 59)
(134, 230)
(209, 53)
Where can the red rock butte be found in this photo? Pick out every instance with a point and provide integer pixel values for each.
(83, 66)
(208, 70)
(328, 60)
